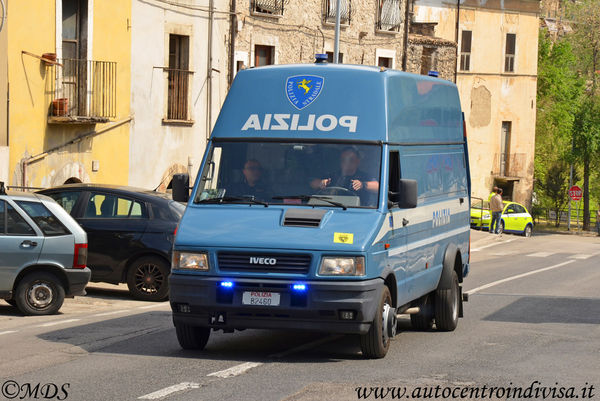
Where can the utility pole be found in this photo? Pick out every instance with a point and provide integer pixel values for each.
(336, 45)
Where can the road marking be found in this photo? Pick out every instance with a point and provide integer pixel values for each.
(7, 332)
(541, 254)
(58, 322)
(235, 370)
(150, 306)
(115, 312)
(169, 390)
(504, 280)
(581, 256)
(490, 245)
(306, 346)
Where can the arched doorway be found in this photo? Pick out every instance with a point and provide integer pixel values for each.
(73, 180)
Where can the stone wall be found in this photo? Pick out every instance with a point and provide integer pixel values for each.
(442, 55)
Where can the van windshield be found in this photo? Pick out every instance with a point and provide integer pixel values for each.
(303, 173)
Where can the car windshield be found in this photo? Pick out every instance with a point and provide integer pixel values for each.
(265, 173)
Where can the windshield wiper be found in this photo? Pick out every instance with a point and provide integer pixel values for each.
(306, 198)
(233, 199)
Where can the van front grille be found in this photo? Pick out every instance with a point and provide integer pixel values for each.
(264, 263)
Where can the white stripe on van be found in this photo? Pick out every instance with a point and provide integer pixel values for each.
(427, 241)
(420, 214)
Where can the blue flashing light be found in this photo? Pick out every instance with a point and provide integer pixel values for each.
(320, 58)
(434, 74)
(299, 287)
(227, 284)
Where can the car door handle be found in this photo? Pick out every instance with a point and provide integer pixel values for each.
(28, 244)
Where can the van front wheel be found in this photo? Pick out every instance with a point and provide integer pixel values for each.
(376, 342)
(192, 338)
(447, 305)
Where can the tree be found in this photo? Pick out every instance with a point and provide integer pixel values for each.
(558, 96)
(586, 128)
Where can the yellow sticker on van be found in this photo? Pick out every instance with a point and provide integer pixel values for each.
(343, 238)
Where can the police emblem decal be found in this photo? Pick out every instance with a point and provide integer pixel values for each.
(302, 90)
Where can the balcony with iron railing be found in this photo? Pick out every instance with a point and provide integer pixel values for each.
(178, 93)
(389, 16)
(82, 91)
(329, 11)
(509, 165)
(270, 8)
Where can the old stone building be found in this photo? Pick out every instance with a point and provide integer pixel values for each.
(373, 32)
(496, 74)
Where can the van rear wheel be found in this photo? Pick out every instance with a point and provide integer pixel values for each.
(376, 342)
(192, 338)
(424, 319)
(447, 305)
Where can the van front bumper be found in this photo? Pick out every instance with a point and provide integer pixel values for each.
(201, 301)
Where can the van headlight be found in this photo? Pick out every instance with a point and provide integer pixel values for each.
(342, 266)
(190, 261)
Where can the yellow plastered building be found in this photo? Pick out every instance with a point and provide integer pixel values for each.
(67, 89)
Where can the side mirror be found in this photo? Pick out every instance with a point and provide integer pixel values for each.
(181, 187)
(406, 197)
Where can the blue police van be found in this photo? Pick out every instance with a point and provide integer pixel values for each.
(331, 198)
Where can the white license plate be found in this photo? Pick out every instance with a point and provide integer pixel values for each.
(261, 298)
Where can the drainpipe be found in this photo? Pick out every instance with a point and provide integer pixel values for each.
(406, 31)
(209, 70)
(232, 33)
(456, 39)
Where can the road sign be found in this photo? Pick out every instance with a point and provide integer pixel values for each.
(575, 193)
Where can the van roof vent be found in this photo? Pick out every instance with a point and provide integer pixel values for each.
(303, 217)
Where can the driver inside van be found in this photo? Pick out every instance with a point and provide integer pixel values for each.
(349, 177)
(252, 185)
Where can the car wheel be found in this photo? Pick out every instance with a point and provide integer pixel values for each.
(500, 227)
(424, 319)
(39, 294)
(11, 302)
(447, 305)
(147, 279)
(528, 231)
(376, 342)
(190, 337)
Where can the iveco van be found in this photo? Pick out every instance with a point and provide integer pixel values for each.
(330, 198)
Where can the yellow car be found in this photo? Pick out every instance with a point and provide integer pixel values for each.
(515, 217)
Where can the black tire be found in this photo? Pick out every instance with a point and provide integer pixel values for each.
(528, 231)
(192, 338)
(447, 306)
(39, 293)
(147, 279)
(424, 319)
(11, 302)
(375, 343)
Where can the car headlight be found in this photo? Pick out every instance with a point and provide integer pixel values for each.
(332, 266)
(190, 261)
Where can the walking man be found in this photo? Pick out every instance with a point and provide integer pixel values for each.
(496, 208)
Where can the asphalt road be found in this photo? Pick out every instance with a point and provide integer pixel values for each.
(533, 315)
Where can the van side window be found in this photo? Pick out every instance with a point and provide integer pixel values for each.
(66, 199)
(2, 218)
(15, 224)
(394, 174)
